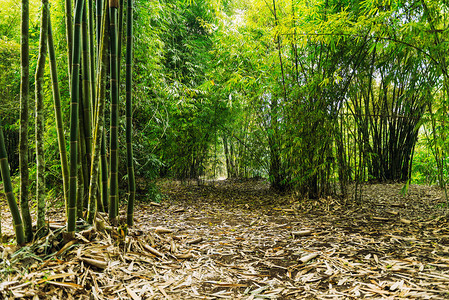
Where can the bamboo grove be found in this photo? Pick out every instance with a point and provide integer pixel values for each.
(338, 90)
(315, 96)
(92, 51)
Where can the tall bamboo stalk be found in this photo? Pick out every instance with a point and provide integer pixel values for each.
(113, 195)
(69, 33)
(99, 28)
(129, 116)
(92, 59)
(86, 101)
(104, 153)
(99, 127)
(40, 121)
(119, 41)
(82, 163)
(104, 172)
(4, 168)
(58, 113)
(273, 138)
(23, 140)
(71, 217)
(99, 24)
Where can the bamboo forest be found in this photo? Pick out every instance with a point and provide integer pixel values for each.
(224, 149)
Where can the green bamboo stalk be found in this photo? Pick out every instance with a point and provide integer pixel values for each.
(69, 33)
(80, 177)
(86, 101)
(119, 41)
(99, 11)
(104, 160)
(99, 129)
(71, 214)
(99, 6)
(58, 113)
(4, 168)
(92, 60)
(104, 173)
(40, 121)
(113, 195)
(83, 171)
(23, 140)
(129, 117)
(119, 58)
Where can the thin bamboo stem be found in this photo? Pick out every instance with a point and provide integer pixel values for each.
(113, 195)
(86, 101)
(71, 217)
(23, 140)
(99, 128)
(58, 113)
(69, 34)
(4, 168)
(129, 117)
(40, 121)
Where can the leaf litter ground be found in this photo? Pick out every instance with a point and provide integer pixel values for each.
(240, 240)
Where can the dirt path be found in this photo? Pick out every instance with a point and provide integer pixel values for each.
(239, 240)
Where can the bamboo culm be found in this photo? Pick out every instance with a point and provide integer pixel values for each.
(71, 217)
(113, 194)
(82, 164)
(104, 154)
(129, 118)
(23, 140)
(4, 168)
(99, 12)
(92, 59)
(40, 121)
(119, 41)
(69, 33)
(58, 113)
(86, 101)
(99, 127)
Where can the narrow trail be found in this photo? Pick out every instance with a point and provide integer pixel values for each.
(240, 240)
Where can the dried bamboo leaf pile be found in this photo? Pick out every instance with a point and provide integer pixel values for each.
(213, 243)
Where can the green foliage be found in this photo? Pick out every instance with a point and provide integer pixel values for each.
(172, 113)
(313, 96)
(303, 67)
(9, 79)
(425, 169)
(9, 96)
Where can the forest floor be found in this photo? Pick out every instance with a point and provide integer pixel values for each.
(241, 240)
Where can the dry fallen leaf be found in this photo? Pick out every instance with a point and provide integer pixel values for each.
(346, 250)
